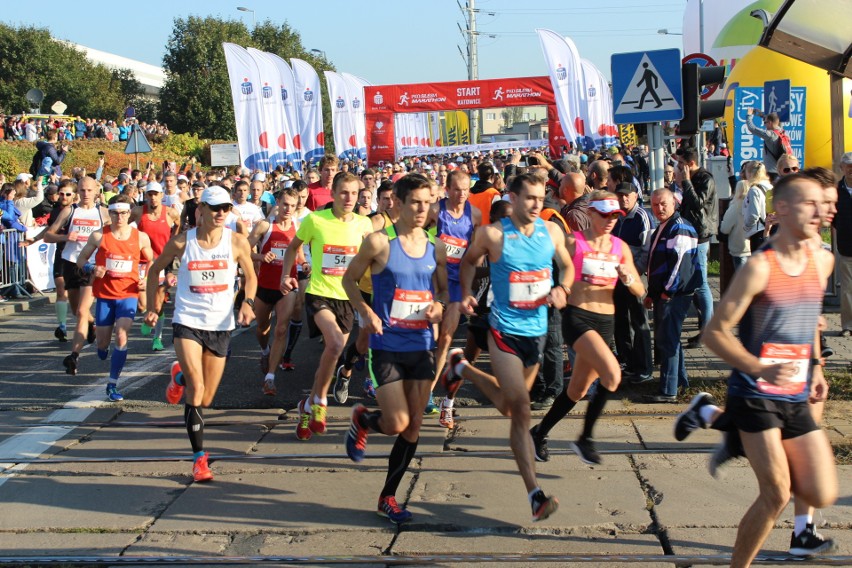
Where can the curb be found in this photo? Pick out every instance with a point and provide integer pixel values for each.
(25, 304)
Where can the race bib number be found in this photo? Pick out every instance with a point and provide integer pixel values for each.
(599, 268)
(408, 310)
(84, 228)
(455, 248)
(118, 265)
(529, 290)
(774, 353)
(335, 259)
(278, 249)
(208, 276)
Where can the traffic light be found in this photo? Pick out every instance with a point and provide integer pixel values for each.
(695, 110)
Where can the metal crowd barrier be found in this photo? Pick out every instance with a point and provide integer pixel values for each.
(13, 264)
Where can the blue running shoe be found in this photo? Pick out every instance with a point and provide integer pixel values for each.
(369, 389)
(431, 407)
(389, 508)
(112, 393)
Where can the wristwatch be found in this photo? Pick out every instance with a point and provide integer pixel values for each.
(250, 302)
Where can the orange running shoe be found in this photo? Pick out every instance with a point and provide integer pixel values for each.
(200, 471)
(174, 391)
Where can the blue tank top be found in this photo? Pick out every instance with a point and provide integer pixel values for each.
(456, 234)
(401, 293)
(521, 281)
(779, 325)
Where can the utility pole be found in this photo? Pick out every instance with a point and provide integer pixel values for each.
(471, 38)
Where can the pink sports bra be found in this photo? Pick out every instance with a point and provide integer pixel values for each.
(593, 267)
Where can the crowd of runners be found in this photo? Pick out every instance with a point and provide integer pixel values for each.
(537, 257)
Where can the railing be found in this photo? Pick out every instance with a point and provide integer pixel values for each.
(13, 264)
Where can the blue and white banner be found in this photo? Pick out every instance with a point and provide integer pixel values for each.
(747, 146)
(277, 138)
(355, 86)
(245, 92)
(599, 128)
(534, 144)
(566, 76)
(342, 125)
(288, 96)
(309, 109)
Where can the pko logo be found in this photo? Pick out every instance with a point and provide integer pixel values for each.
(309, 94)
(561, 73)
(356, 103)
(378, 98)
(246, 87)
(266, 91)
(592, 92)
(284, 94)
(340, 103)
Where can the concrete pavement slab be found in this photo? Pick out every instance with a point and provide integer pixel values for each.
(83, 502)
(65, 543)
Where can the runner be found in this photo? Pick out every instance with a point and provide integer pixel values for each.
(248, 212)
(521, 249)
(409, 279)
(118, 248)
(303, 271)
(160, 223)
(600, 261)
(334, 236)
(776, 299)
(204, 317)
(78, 223)
(273, 237)
(456, 220)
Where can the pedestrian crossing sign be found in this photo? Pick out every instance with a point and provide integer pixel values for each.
(647, 86)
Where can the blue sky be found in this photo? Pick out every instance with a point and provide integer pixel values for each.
(383, 41)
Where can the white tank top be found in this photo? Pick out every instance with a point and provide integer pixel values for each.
(84, 222)
(205, 288)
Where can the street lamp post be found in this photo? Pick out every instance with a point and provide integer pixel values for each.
(244, 9)
(665, 31)
(320, 53)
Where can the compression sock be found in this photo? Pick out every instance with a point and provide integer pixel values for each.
(593, 412)
(562, 405)
(62, 313)
(116, 362)
(400, 457)
(293, 331)
(350, 356)
(370, 420)
(194, 427)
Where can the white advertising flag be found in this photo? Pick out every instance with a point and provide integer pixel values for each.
(275, 138)
(566, 76)
(245, 92)
(597, 109)
(309, 110)
(355, 87)
(342, 125)
(288, 92)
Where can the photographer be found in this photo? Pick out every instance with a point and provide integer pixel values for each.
(773, 139)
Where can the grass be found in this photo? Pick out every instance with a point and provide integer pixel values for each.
(840, 386)
(713, 267)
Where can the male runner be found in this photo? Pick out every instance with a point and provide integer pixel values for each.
(160, 223)
(334, 236)
(248, 212)
(408, 270)
(521, 249)
(456, 219)
(118, 248)
(776, 299)
(273, 237)
(81, 221)
(204, 316)
(303, 271)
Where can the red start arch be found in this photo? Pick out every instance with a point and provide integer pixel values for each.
(384, 101)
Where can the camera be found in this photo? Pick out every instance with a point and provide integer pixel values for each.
(101, 153)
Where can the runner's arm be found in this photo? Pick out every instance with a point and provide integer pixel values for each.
(371, 248)
(566, 267)
(91, 246)
(287, 265)
(819, 386)
(242, 254)
(52, 235)
(479, 247)
(135, 215)
(173, 249)
(439, 281)
(254, 238)
(145, 250)
(629, 275)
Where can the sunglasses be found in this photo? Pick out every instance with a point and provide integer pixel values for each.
(788, 170)
(606, 215)
(119, 212)
(63, 194)
(226, 207)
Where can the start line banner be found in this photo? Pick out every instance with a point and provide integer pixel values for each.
(442, 150)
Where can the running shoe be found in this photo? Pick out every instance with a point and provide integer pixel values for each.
(809, 542)
(264, 363)
(825, 349)
(269, 387)
(341, 386)
(287, 365)
(690, 419)
(445, 419)
(157, 344)
(431, 407)
(303, 430)
(318, 418)
(450, 380)
(356, 437)
(542, 453)
(729, 448)
(174, 390)
(145, 329)
(543, 506)
(60, 334)
(585, 450)
(70, 363)
(201, 471)
(112, 393)
(389, 508)
(369, 389)
(90, 334)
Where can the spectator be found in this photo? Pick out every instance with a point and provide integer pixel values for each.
(757, 204)
(733, 225)
(842, 224)
(49, 159)
(572, 190)
(773, 139)
(11, 218)
(24, 201)
(42, 211)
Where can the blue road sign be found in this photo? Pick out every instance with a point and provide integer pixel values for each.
(647, 86)
(776, 98)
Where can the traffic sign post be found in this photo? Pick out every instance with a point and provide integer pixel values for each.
(646, 86)
(776, 98)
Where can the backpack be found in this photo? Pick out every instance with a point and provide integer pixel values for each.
(784, 141)
(36, 164)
